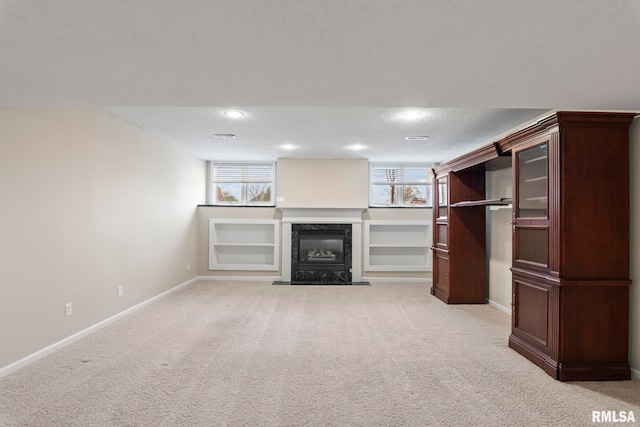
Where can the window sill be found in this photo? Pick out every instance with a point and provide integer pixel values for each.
(236, 206)
(400, 207)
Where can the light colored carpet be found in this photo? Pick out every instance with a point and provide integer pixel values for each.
(253, 354)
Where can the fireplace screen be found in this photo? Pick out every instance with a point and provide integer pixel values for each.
(321, 249)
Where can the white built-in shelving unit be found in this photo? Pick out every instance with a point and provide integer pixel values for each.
(392, 245)
(244, 244)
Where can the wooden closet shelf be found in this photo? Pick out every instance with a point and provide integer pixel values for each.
(490, 202)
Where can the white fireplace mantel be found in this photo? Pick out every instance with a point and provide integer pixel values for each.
(351, 216)
(322, 215)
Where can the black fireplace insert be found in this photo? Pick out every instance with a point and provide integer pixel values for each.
(321, 250)
(321, 253)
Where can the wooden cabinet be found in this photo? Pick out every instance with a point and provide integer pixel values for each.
(459, 216)
(570, 311)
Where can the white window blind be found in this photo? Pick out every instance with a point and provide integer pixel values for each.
(242, 173)
(399, 175)
(242, 184)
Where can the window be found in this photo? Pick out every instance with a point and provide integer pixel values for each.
(394, 185)
(242, 184)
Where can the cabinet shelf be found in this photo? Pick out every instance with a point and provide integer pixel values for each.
(504, 201)
(244, 244)
(540, 178)
(536, 159)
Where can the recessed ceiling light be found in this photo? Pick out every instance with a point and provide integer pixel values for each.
(357, 147)
(288, 146)
(411, 115)
(416, 138)
(224, 135)
(234, 114)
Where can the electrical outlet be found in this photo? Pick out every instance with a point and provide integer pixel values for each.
(67, 309)
(188, 266)
(120, 290)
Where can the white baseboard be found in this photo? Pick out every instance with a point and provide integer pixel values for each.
(500, 307)
(242, 278)
(6, 370)
(397, 279)
(635, 373)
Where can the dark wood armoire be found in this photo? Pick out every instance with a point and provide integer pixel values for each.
(570, 302)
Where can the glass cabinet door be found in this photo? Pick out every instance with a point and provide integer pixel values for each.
(443, 199)
(531, 215)
(533, 183)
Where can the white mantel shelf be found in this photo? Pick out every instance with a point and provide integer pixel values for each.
(322, 215)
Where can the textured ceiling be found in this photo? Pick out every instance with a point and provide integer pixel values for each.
(323, 132)
(321, 73)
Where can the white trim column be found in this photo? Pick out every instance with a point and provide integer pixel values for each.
(285, 241)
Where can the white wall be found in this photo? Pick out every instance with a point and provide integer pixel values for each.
(318, 183)
(499, 255)
(89, 202)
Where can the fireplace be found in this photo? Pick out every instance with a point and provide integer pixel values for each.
(321, 250)
(296, 219)
(321, 253)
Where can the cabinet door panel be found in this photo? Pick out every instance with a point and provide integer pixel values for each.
(531, 312)
(441, 235)
(531, 246)
(442, 273)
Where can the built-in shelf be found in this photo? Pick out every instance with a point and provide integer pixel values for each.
(237, 244)
(392, 245)
(504, 201)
